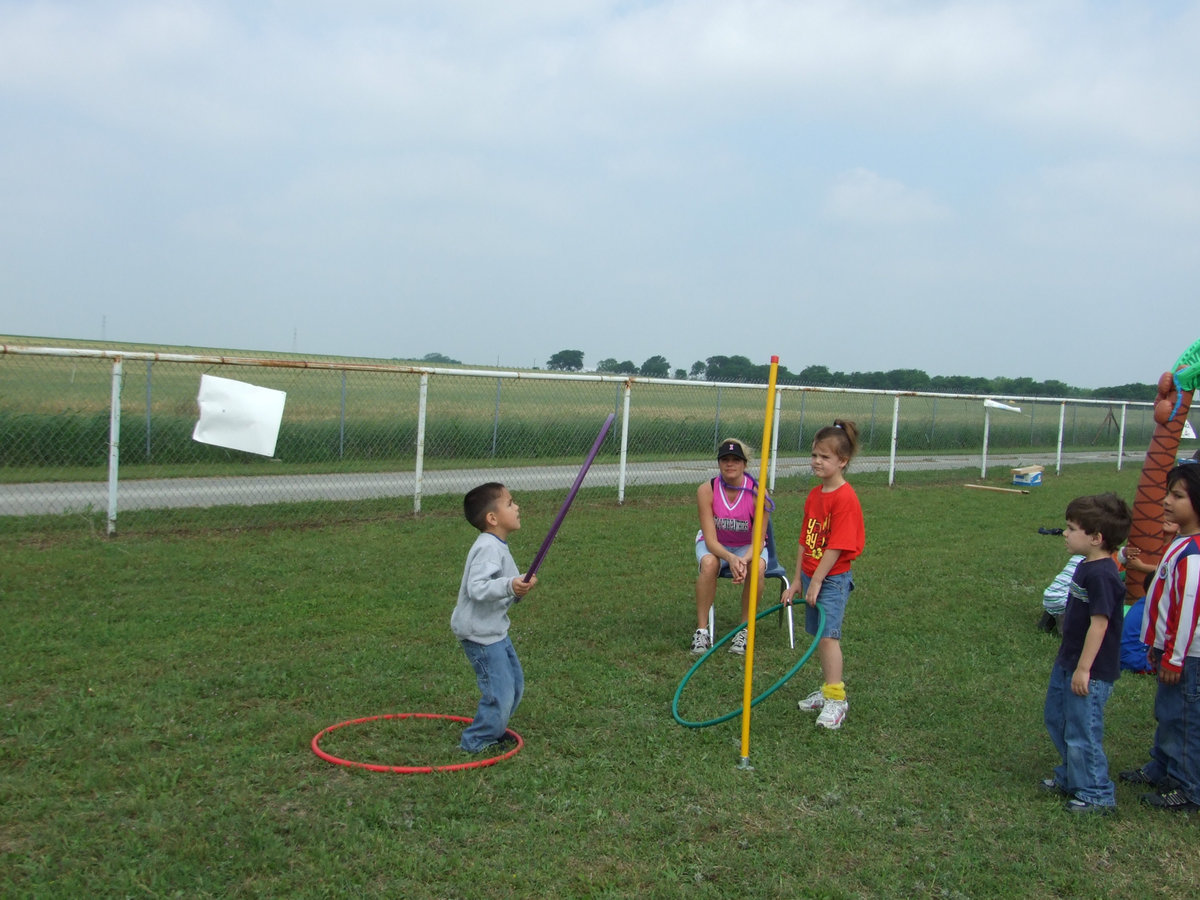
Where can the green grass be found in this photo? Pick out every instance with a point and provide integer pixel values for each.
(160, 691)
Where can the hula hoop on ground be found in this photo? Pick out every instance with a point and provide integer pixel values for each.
(410, 770)
(812, 648)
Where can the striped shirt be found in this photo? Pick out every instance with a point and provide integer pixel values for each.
(1169, 622)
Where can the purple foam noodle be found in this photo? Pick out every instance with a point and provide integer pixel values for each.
(562, 513)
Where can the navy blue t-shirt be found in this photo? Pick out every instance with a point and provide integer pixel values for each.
(1096, 590)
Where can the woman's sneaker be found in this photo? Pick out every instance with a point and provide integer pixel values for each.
(833, 714)
(812, 702)
(700, 641)
(738, 645)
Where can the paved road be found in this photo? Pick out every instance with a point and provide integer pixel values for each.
(65, 497)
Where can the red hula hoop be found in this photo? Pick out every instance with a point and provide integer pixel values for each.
(410, 770)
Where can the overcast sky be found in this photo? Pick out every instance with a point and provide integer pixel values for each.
(969, 188)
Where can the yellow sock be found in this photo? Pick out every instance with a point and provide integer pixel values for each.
(834, 691)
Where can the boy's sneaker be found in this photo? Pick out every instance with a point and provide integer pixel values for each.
(1083, 808)
(833, 714)
(700, 641)
(812, 702)
(1174, 800)
(1050, 786)
(738, 645)
(1136, 776)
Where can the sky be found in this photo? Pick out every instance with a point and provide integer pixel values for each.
(992, 189)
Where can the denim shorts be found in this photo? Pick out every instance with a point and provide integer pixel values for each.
(702, 551)
(835, 594)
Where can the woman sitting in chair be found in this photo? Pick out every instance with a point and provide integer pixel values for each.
(723, 542)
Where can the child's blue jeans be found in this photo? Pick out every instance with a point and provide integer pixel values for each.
(1076, 728)
(1176, 751)
(501, 684)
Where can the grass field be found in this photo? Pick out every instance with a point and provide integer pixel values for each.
(160, 692)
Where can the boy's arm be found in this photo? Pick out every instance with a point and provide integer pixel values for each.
(487, 580)
(1091, 646)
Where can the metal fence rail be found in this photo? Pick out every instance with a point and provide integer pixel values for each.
(89, 429)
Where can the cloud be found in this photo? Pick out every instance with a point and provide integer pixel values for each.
(862, 197)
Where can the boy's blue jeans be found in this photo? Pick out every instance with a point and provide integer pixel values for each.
(1176, 751)
(1076, 728)
(501, 684)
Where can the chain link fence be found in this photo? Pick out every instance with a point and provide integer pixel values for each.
(90, 431)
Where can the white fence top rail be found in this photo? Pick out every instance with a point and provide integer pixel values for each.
(277, 363)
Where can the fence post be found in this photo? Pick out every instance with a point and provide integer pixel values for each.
(149, 366)
(624, 448)
(895, 439)
(1121, 437)
(987, 425)
(422, 404)
(775, 438)
(1062, 424)
(114, 442)
(496, 419)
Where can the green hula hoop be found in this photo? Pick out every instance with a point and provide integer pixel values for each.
(812, 648)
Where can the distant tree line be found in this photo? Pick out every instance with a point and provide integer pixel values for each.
(741, 369)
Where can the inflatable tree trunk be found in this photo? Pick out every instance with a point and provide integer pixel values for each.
(1171, 405)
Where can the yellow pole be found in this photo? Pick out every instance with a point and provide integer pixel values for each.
(756, 542)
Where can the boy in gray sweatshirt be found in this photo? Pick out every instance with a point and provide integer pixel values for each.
(491, 584)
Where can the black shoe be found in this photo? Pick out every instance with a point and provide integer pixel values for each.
(1136, 776)
(1046, 623)
(1083, 808)
(1174, 800)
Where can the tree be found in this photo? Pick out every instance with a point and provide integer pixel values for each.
(438, 358)
(680, 374)
(606, 365)
(816, 376)
(566, 361)
(626, 368)
(655, 367)
(697, 369)
(730, 368)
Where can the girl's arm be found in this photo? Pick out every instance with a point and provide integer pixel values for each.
(828, 559)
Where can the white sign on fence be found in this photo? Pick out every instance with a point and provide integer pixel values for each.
(238, 415)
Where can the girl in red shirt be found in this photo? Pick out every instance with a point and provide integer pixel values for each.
(832, 537)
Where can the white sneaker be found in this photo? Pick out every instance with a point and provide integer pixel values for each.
(738, 644)
(812, 702)
(700, 641)
(833, 714)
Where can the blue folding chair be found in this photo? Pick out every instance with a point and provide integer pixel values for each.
(775, 569)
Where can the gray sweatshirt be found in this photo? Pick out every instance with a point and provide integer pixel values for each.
(481, 614)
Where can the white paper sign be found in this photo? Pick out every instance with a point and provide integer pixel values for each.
(996, 404)
(239, 416)
(1189, 433)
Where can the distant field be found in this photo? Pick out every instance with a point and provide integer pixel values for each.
(54, 418)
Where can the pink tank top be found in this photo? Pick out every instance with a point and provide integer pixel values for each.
(734, 520)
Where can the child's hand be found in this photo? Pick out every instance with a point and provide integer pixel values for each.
(814, 591)
(1079, 682)
(1132, 552)
(521, 587)
(737, 568)
(788, 595)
